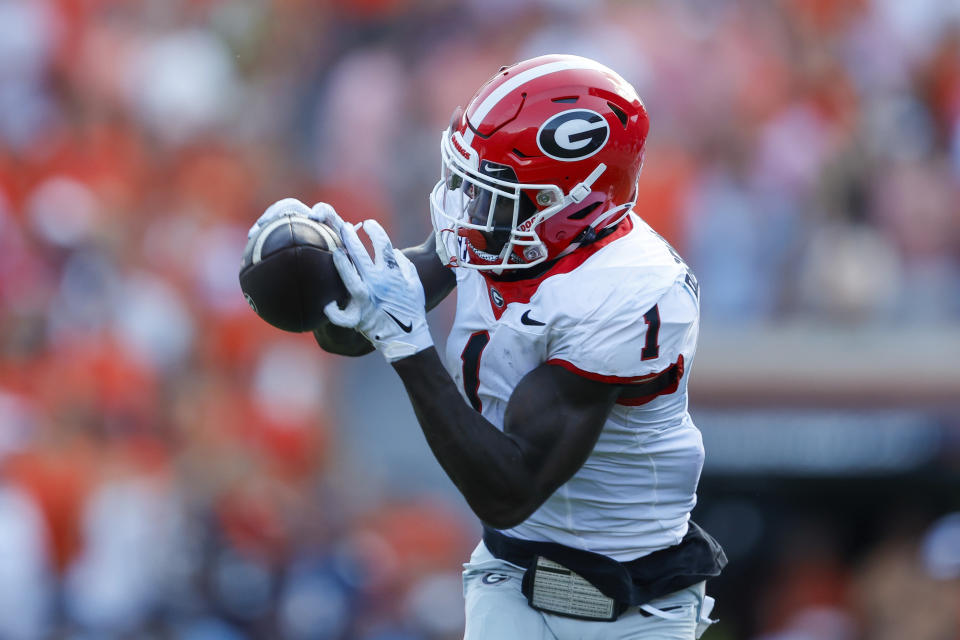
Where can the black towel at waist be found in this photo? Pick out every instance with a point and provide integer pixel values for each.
(694, 559)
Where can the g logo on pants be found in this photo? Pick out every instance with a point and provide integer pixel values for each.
(494, 578)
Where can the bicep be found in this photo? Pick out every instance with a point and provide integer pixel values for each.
(437, 279)
(555, 417)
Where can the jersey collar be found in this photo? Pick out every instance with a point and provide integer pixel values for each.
(501, 293)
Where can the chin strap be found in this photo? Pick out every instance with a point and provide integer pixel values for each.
(624, 210)
(580, 192)
(591, 235)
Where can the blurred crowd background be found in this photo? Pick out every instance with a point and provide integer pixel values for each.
(172, 467)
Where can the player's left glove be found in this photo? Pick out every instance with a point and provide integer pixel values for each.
(386, 296)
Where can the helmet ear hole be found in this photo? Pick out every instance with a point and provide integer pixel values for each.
(584, 212)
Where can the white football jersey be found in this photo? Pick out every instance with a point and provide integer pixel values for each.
(623, 310)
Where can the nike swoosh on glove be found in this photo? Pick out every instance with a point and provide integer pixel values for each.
(386, 296)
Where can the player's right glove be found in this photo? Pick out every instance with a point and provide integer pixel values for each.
(386, 296)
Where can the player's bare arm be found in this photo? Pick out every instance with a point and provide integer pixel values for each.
(553, 417)
(552, 421)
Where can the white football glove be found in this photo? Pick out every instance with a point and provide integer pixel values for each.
(386, 296)
(321, 212)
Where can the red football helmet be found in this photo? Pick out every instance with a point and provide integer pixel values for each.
(545, 157)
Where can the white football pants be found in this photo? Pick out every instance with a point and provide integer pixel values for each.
(496, 609)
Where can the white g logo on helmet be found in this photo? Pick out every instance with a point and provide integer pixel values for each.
(573, 135)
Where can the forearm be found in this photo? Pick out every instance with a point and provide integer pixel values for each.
(486, 465)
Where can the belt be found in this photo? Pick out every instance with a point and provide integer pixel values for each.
(695, 558)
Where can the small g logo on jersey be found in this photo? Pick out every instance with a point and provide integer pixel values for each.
(496, 297)
(573, 135)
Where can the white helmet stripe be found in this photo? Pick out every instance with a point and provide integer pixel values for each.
(516, 81)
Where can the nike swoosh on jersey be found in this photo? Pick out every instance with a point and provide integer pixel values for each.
(526, 319)
(407, 328)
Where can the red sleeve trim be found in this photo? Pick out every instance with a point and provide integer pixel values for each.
(600, 377)
(639, 389)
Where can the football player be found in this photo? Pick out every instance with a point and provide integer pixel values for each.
(559, 409)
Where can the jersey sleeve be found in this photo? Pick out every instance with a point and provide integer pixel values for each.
(631, 337)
